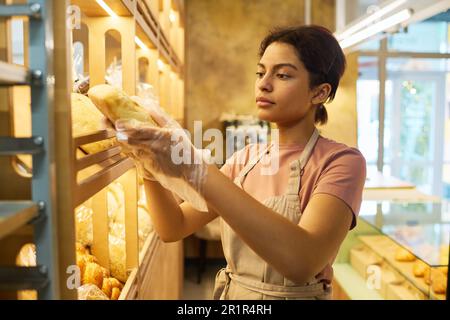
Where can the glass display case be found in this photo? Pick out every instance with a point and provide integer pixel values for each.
(400, 249)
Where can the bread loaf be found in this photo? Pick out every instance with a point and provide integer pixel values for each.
(87, 119)
(115, 104)
(404, 255)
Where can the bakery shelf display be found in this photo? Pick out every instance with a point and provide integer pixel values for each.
(400, 250)
(98, 214)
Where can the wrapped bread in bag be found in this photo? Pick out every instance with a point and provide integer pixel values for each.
(115, 104)
(91, 292)
(86, 119)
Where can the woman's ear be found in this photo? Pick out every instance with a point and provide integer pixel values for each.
(321, 94)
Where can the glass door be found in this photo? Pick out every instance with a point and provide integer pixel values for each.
(414, 128)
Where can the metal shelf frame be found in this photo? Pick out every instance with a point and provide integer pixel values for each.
(44, 277)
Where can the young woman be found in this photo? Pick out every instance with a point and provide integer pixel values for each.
(280, 231)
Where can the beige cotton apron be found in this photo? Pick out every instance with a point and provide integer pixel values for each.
(249, 277)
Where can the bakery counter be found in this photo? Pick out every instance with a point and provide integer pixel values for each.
(399, 250)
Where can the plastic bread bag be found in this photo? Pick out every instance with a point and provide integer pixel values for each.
(117, 257)
(147, 92)
(83, 225)
(80, 80)
(27, 258)
(91, 292)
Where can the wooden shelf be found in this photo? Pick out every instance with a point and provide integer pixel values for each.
(12, 74)
(135, 281)
(110, 164)
(150, 26)
(354, 286)
(15, 214)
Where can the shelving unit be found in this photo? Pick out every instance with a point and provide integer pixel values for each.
(40, 210)
(56, 156)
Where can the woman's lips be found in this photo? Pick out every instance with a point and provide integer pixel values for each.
(264, 103)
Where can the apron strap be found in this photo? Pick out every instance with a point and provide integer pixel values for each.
(249, 166)
(298, 166)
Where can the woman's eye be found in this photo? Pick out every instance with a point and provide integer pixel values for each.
(260, 74)
(283, 76)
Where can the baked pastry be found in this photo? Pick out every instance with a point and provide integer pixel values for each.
(83, 260)
(86, 118)
(107, 287)
(404, 255)
(419, 269)
(439, 282)
(116, 104)
(105, 272)
(115, 294)
(109, 284)
(93, 274)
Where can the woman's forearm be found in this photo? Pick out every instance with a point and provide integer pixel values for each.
(274, 238)
(166, 214)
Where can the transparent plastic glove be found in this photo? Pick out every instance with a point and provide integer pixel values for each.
(168, 155)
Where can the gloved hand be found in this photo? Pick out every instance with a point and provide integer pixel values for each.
(166, 154)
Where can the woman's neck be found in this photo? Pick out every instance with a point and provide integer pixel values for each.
(297, 132)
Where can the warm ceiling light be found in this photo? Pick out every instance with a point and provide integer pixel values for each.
(172, 16)
(105, 7)
(140, 43)
(160, 65)
(373, 17)
(380, 26)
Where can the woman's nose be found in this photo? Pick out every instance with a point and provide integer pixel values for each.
(265, 84)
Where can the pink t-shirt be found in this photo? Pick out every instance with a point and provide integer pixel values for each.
(333, 168)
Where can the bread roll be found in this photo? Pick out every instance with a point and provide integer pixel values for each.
(109, 284)
(115, 294)
(116, 283)
(116, 104)
(83, 260)
(93, 274)
(86, 119)
(106, 287)
(404, 255)
(419, 269)
(439, 282)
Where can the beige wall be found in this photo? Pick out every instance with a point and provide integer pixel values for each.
(342, 117)
(222, 40)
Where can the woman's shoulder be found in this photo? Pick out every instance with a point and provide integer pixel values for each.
(331, 150)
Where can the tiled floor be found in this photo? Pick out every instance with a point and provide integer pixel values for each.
(203, 291)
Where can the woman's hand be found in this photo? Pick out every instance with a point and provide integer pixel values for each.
(164, 152)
